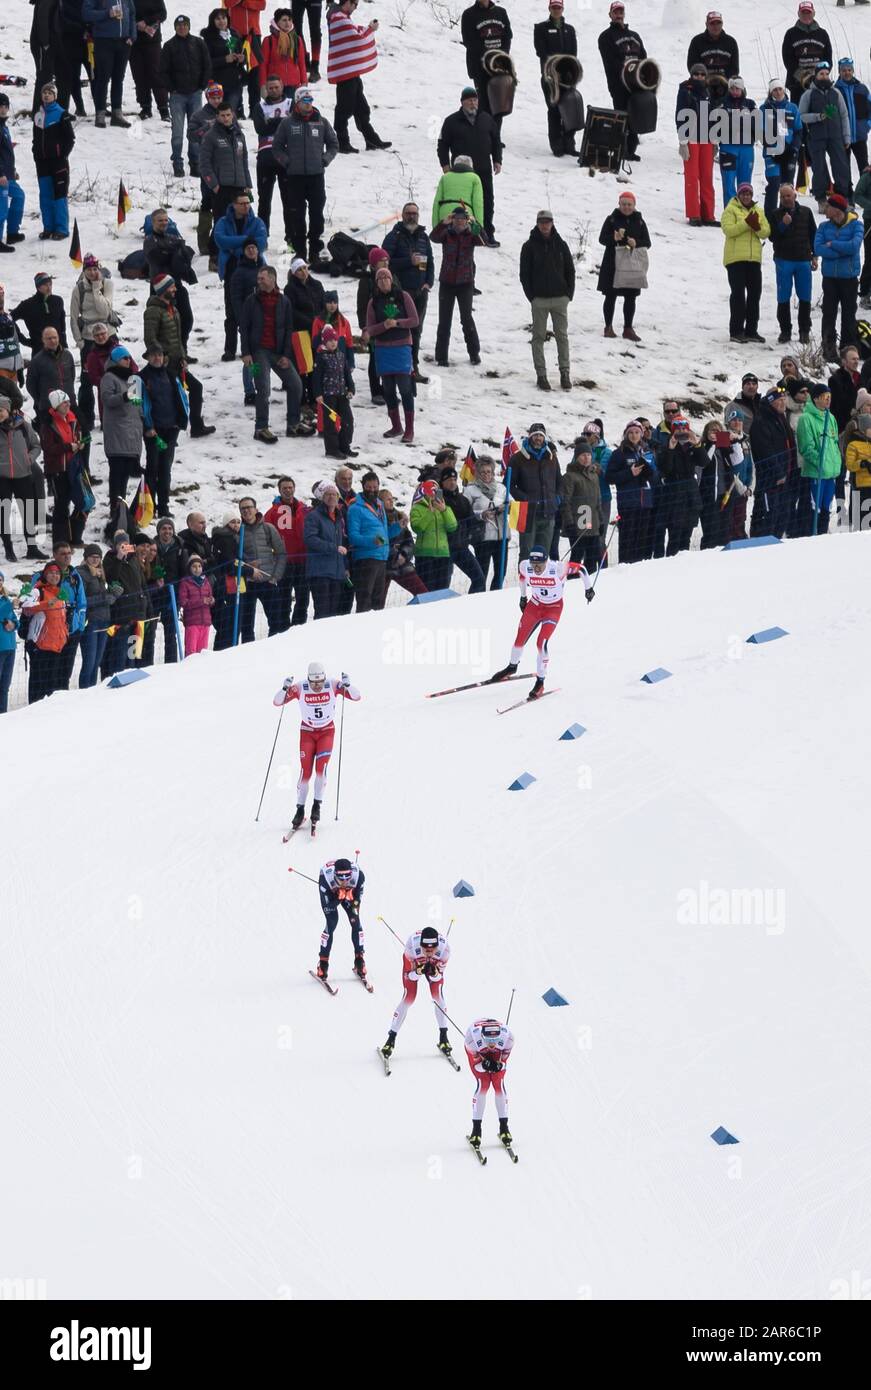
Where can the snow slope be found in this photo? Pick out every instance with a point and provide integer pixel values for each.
(683, 318)
(188, 1114)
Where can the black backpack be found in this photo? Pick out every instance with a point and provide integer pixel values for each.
(349, 256)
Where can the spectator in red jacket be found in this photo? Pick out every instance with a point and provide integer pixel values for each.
(287, 514)
(61, 440)
(284, 55)
(458, 238)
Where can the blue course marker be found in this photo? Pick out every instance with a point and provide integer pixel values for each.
(127, 678)
(722, 1136)
(659, 674)
(573, 731)
(522, 782)
(768, 634)
(463, 889)
(554, 1000)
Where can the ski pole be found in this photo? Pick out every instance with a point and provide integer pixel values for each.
(510, 1007)
(271, 756)
(300, 874)
(392, 932)
(448, 932)
(614, 523)
(339, 772)
(461, 1031)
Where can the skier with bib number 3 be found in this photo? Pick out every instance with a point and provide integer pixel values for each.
(426, 953)
(317, 697)
(540, 608)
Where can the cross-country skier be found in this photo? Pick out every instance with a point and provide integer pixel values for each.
(426, 953)
(340, 883)
(546, 580)
(488, 1046)
(317, 708)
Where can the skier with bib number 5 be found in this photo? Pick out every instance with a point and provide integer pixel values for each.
(317, 697)
(542, 582)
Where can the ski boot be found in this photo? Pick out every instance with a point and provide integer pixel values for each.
(503, 675)
(444, 1045)
(360, 967)
(323, 967)
(536, 689)
(298, 818)
(316, 812)
(387, 1049)
(505, 1134)
(475, 1136)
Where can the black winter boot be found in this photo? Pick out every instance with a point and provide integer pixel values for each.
(503, 675)
(316, 812)
(298, 818)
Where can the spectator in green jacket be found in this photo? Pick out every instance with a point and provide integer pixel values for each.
(820, 460)
(459, 187)
(432, 522)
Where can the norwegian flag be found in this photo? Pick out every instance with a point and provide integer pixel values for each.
(510, 447)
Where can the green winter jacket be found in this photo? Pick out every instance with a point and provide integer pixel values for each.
(809, 437)
(459, 186)
(431, 530)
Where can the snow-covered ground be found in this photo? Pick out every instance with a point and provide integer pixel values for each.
(186, 1113)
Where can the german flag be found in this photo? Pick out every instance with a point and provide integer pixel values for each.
(76, 246)
(251, 57)
(143, 512)
(517, 515)
(124, 203)
(467, 472)
(138, 640)
(302, 352)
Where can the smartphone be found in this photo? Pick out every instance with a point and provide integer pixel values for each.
(722, 439)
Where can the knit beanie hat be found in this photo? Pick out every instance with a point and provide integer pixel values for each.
(863, 401)
(56, 398)
(774, 84)
(818, 389)
(162, 284)
(119, 353)
(837, 200)
(376, 255)
(92, 549)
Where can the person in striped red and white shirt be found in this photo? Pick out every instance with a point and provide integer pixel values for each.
(352, 52)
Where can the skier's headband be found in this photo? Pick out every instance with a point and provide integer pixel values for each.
(491, 1030)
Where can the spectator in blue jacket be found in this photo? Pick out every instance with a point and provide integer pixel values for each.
(8, 636)
(412, 263)
(370, 545)
(238, 225)
(633, 472)
(858, 103)
(11, 192)
(781, 142)
(112, 25)
(736, 160)
(838, 243)
(165, 411)
(326, 551)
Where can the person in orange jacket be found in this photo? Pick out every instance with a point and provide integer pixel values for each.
(47, 631)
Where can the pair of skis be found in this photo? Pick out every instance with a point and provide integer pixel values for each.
(386, 1060)
(482, 1158)
(288, 836)
(331, 989)
(476, 685)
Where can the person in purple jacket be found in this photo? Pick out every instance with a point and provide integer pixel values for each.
(196, 601)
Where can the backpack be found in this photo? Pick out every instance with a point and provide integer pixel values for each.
(134, 266)
(349, 256)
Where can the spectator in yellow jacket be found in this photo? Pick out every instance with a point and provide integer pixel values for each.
(745, 227)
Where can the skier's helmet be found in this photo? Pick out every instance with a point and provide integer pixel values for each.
(538, 557)
(316, 671)
(429, 938)
(491, 1028)
(343, 870)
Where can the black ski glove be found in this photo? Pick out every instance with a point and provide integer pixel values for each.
(523, 603)
(591, 594)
